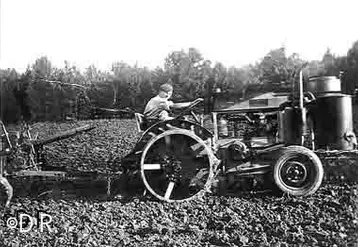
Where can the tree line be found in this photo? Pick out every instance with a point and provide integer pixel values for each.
(47, 93)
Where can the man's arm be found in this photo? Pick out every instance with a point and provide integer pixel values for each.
(186, 104)
(180, 105)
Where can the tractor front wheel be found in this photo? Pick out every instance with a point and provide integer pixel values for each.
(298, 171)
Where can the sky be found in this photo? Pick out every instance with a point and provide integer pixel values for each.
(233, 32)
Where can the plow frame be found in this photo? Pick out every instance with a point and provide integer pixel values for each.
(32, 148)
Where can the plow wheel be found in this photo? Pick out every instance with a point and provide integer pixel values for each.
(177, 165)
(6, 192)
(298, 171)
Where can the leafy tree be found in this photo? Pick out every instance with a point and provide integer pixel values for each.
(329, 64)
(220, 77)
(241, 78)
(277, 70)
(159, 77)
(53, 93)
(188, 72)
(352, 55)
(22, 96)
(350, 77)
(42, 68)
(123, 84)
(145, 88)
(10, 109)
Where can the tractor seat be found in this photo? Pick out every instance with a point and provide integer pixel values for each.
(142, 122)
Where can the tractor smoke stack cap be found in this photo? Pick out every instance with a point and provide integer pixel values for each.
(166, 88)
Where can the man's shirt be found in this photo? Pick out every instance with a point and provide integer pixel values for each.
(155, 107)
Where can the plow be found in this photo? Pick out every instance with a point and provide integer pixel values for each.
(287, 142)
(23, 157)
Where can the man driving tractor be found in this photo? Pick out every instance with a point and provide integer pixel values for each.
(159, 107)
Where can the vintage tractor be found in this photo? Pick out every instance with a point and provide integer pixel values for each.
(286, 141)
(276, 142)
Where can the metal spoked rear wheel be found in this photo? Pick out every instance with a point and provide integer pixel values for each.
(177, 165)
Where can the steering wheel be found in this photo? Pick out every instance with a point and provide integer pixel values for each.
(189, 109)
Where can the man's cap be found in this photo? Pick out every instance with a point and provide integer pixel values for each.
(166, 88)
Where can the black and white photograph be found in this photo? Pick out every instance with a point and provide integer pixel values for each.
(178, 123)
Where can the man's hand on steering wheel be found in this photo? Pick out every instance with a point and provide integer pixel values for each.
(189, 109)
(197, 101)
